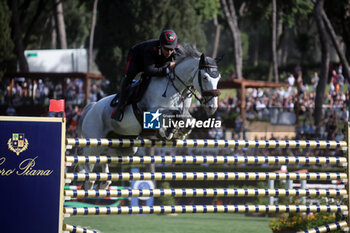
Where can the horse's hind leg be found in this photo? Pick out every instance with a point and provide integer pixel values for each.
(89, 184)
(115, 152)
(105, 184)
(92, 127)
(105, 167)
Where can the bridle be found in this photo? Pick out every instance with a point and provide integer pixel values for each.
(205, 93)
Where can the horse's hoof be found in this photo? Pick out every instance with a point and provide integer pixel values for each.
(169, 137)
(104, 185)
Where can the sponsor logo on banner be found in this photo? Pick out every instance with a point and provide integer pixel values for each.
(27, 167)
(18, 143)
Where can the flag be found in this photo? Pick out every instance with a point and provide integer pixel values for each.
(56, 106)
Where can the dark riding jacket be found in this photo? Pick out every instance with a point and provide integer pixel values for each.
(147, 57)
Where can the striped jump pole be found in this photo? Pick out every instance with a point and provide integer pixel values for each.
(347, 138)
(209, 159)
(203, 176)
(76, 229)
(203, 209)
(207, 143)
(224, 192)
(327, 228)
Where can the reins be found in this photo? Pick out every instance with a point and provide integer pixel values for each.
(190, 88)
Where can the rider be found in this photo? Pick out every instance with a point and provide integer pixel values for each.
(152, 57)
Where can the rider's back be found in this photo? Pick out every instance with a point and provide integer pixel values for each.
(147, 54)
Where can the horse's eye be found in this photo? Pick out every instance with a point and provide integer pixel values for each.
(205, 78)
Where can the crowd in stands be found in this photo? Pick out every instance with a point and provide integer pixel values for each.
(39, 91)
(29, 92)
(260, 103)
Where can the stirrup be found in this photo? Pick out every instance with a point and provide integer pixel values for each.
(120, 116)
(117, 114)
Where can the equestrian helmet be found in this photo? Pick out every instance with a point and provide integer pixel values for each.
(168, 39)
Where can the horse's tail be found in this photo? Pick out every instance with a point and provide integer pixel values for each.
(81, 120)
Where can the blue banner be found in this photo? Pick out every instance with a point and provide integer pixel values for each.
(31, 169)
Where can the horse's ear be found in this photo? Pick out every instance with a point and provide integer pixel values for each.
(219, 59)
(202, 60)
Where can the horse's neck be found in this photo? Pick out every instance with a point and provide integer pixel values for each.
(186, 70)
(161, 93)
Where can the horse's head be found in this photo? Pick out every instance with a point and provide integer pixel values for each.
(206, 83)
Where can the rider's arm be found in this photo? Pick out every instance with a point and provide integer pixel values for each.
(150, 66)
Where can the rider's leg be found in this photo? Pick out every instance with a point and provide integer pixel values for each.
(123, 97)
(130, 72)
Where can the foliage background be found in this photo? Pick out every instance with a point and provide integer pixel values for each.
(122, 23)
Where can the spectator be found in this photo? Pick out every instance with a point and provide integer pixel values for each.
(314, 81)
(238, 126)
(291, 81)
(10, 111)
(216, 133)
(334, 80)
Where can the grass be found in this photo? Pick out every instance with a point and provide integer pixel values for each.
(182, 223)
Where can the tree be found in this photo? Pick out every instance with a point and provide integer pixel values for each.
(274, 41)
(217, 36)
(256, 17)
(29, 24)
(6, 44)
(77, 19)
(61, 27)
(338, 13)
(123, 23)
(232, 21)
(92, 34)
(259, 16)
(319, 99)
(38, 24)
(304, 31)
(340, 52)
(33, 17)
(208, 11)
(17, 34)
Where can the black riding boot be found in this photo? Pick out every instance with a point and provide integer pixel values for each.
(124, 89)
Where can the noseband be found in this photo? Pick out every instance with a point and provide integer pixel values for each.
(206, 93)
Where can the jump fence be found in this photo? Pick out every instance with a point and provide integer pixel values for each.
(342, 207)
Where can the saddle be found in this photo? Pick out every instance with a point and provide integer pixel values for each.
(135, 92)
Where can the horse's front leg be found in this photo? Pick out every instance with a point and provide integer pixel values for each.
(107, 183)
(166, 133)
(182, 133)
(88, 168)
(88, 184)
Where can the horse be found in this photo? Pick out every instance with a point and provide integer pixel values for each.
(193, 70)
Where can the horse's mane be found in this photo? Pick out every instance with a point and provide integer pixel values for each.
(186, 51)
